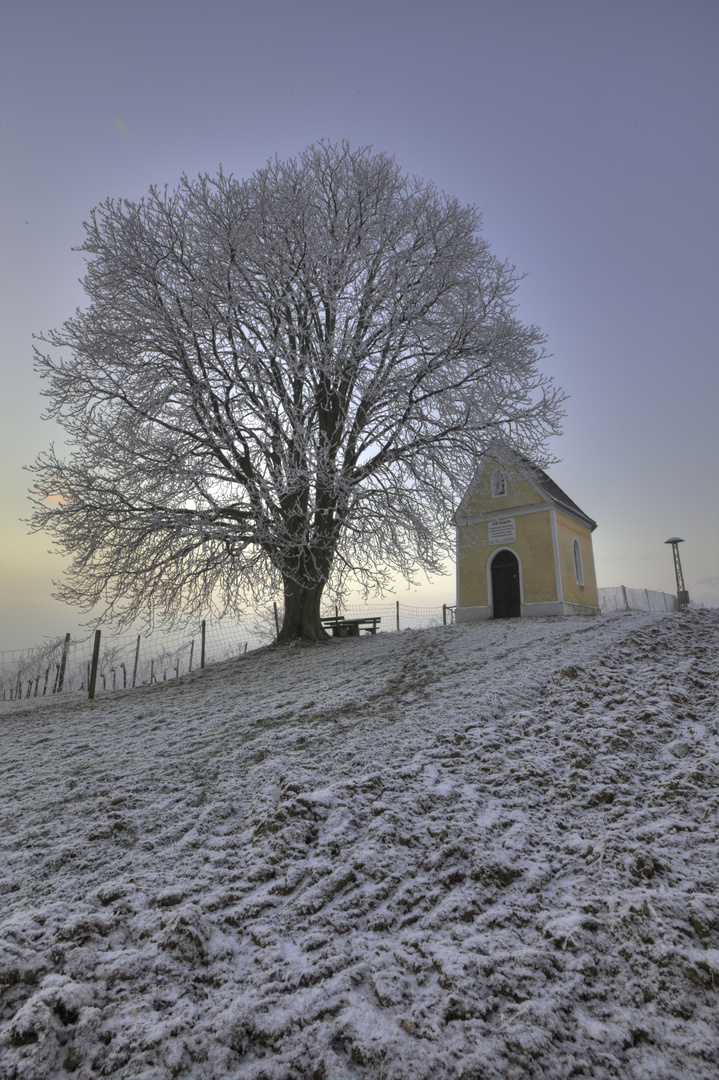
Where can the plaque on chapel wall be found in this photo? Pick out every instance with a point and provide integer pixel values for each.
(502, 531)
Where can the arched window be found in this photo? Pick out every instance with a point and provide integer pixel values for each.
(578, 569)
(499, 483)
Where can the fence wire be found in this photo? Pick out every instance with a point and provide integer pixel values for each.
(124, 662)
(396, 616)
(620, 598)
(62, 666)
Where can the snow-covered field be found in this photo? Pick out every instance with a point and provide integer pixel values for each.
(472, 852)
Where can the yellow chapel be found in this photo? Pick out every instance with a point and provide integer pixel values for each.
(523, 546)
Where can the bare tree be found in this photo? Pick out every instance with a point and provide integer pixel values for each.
(282, 382)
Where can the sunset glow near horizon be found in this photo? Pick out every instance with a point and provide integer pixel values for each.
(586, 134)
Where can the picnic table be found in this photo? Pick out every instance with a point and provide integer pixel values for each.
(342, 626)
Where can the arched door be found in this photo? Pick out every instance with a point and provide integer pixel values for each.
(506, 603)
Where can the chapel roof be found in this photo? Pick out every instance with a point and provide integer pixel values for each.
(554, 493)
(500, 451)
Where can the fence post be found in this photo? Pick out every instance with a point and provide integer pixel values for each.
(63, 662)
(444, 614)
(137, 657)
(277, 618)
(202, 643)
(192, 650)
(626, 602)
(398, 614)
(93, 669)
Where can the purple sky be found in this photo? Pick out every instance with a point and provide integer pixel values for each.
(586, 131)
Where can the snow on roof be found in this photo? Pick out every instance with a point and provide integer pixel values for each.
(500, 451)
(553, 492)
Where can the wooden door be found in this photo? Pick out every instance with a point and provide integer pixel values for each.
(506, 602)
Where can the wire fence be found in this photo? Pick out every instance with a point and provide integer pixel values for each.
(64, 665)
(620, 598)
(396, 616)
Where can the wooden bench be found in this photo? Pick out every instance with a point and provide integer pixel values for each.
(346, 627)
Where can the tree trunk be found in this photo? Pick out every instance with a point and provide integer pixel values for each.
(302, 613)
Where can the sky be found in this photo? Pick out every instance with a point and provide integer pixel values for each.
(585, 132)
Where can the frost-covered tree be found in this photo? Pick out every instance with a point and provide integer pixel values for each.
(279, 383)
